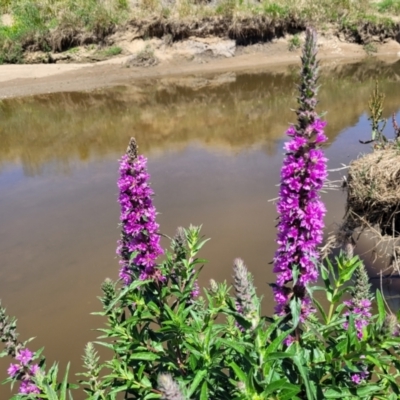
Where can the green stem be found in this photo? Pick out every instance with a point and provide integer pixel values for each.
(260, 351)
(332, 305)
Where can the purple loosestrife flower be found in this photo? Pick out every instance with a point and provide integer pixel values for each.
(139, 246)
(24, 356)
(13, 370)
(27, 387)
(360, 305)
(300, 209)
(358, 378)
(195, 290)
(24, 371)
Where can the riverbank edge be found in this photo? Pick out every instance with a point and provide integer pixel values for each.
(33, 79)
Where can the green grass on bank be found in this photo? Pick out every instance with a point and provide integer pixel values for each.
(50, 25)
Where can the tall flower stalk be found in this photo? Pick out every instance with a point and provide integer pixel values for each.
(300, 209)
(361, 303)
(246, 301)
(139, 246)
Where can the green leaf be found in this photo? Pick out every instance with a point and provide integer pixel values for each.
(134, 285)
(330, 271)
(338, 393)
(236, 346)
(146, 382)
(133, 255)
(381, 307)
(295, 309)
(340, 293)
(368, 390)
(64, 385)
(146, 356)
(295, 273)
(239, 373)
(311, 394)
(151, 396)
(276, 343)
(280, 385)
(289, 394)
(346, 273)
(281, 355)
(204, 392)
(321, 310)
(52, 395)
(196, 381)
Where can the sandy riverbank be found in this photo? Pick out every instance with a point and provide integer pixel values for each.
(186, 59)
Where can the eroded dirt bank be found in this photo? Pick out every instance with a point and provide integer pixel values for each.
(155, 58)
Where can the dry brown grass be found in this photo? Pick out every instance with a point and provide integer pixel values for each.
(373, 188)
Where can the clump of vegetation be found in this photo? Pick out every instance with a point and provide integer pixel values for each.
(389, 6)
(112, 51)
(294, 42)
(144, 58)
(373, 183)
(55, 25)
(370, 48)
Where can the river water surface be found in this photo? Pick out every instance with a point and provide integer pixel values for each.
(214, 146)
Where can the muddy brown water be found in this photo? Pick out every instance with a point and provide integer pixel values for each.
(214, 146)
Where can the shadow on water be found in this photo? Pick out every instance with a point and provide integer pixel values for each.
(215, 150)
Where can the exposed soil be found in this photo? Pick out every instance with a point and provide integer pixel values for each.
(159, 57)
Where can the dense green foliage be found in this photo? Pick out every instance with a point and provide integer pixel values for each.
(212, 351)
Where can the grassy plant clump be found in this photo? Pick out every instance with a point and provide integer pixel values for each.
(370, 48)
(294, 43)
(389, 6)
(39, 25)
(144, 58)
(373, 182)
(112, 51)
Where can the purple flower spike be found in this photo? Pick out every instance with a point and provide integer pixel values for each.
(139, 246)
(300, 209)
(360, 305)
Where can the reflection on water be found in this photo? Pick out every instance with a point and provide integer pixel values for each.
(214, 148)
(228, 112)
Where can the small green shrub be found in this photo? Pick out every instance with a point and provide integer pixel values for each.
(294, 42)
(29, 25)
(370, 48)
(389, 6)
(112, 51)
(275, 10)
